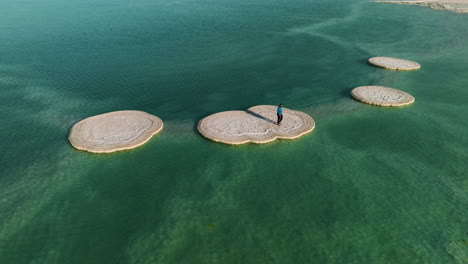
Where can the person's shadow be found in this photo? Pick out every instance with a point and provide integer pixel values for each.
(260, 116)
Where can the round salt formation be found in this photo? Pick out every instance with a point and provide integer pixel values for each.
(257, 125)
(394, 63)
(382, 96)
(114, 131)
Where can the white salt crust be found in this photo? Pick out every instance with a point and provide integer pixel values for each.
(458, 6)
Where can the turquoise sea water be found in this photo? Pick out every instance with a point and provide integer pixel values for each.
(369, 185)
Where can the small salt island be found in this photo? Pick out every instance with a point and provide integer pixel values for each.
(114, 131)
(394, 63)
(257, 125)
(382, 96)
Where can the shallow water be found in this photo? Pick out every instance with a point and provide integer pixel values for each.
(369, 185)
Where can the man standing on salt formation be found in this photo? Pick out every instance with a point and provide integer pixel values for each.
(279, 113)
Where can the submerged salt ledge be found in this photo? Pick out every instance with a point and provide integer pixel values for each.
(394, 63)
(122, 130)
(114, 131)
(382, 96)
(257, 125)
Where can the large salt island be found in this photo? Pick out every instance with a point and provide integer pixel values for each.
(382, 96)
(114, 131)
(257, 125)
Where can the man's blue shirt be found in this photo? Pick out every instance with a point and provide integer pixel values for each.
(280, 110)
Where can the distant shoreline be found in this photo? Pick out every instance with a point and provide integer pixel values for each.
(458, 6)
